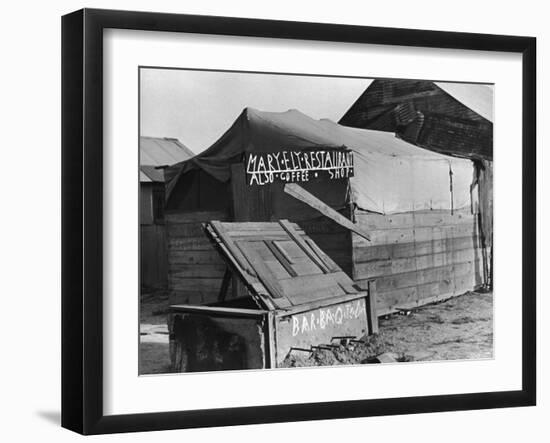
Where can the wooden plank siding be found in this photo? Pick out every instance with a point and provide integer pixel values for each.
(153, 263)
(417, 257)
(195, 268)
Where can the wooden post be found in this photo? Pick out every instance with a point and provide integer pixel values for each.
(271, 352)
(372, 316)
(306, 197)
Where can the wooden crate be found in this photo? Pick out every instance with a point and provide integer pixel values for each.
(302, 299)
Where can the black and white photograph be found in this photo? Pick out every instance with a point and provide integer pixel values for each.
(295, 220)
(275, 222)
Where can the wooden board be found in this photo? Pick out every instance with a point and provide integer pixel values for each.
(198, 257)
(189, 244)
(304, 288)
(301, 194)
(318, 326)
(418, 234)
(291, 270)
(390, 266)
(200, 340)
(436, 274)
(178, 230)
(365, 254)
(418, 256)
(194, 216)
(296, 236)
(332, 238)
(194, 296)
(375, 222)
(414, 296)
(323, 225)
(153, 257)
(195, 269)
(416, 287)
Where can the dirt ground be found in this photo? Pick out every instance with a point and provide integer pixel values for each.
(154, 357)
(457, 329)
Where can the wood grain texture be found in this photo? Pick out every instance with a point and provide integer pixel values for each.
(153, 256)
(429, 275)
(301, 194)
(194, 296)
(194, 216)
(211, 271)
(183, 244)
(195, 268)
(372, 307)
(364, 254)
(416, 234)
(390, 266)
(198, 257)
(372, 221)
(418, 256)
(317, 287)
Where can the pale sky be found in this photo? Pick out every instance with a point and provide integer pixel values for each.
(197, 107)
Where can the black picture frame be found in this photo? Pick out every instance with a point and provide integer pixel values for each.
(82, 218)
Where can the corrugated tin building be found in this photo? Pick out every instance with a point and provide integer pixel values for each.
(154, 155)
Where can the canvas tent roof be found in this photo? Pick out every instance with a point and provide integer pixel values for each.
(391, 175)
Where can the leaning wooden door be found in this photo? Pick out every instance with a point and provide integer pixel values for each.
(284, 261)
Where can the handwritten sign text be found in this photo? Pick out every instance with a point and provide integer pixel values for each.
(298, 166)
(327, 317)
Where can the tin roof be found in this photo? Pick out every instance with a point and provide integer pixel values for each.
(282, 267)
(155, 151)
(151, 174)
(143, 177)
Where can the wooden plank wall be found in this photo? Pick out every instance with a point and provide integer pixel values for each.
(195, 268)
(418, 257)
(153, 262)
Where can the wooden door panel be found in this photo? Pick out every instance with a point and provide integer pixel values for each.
(282, 264)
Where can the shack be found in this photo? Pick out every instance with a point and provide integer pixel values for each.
(451, 118)
(340, 185)
(155, 154)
